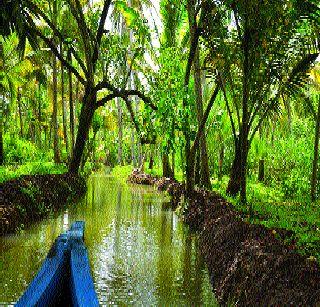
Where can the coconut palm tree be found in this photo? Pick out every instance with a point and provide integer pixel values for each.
(14, 72)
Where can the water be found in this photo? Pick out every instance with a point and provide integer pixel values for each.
(140, 253)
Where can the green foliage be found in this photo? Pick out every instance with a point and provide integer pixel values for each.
(169, 94)
(19, 151)
(270, 209)
(122, 172)
(287, 160)
(301, 218)
(30, 168)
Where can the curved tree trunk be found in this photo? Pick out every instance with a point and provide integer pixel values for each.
(86, 115)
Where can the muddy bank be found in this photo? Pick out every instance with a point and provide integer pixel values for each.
(29, 198)
(248, 265)
(172, 186)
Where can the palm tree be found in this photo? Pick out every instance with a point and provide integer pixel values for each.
(256, 65)
(122, 24)
(86, 43)
(315, 75)
(13, 74)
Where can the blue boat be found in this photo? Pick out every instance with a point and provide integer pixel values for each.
(64, 278)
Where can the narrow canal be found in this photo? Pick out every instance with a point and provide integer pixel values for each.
(140, 253)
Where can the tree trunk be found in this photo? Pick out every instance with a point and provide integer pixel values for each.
(20, 112)
(151, 161)
(39, 116)
(197, 169)
(55, 113)
(64, 111)
(261, 170)
(71, 106)
(120, 131)
(173, 163)
(166, 169)
(133, 152)
(234, 181)
(86, 115)
(204, 165)
(239, 168)
(55, 98)
(190, 158)
(315, 157)
(221, 158)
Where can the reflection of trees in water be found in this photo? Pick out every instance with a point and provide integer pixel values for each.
(137, 251)
(165, 262)
(22, 254)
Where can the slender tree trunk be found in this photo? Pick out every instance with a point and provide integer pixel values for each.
(237, 180)
(234, 182)
(191, 154)
(86, 115)
(20, 112)
(55, 97)
(166, 169)
(239, 168)
(36, 122)
(90, 148)
(204, 165)
(221, 158)
(151, 160)
(197, 168)
(64, 111)
(173, 163)
(133, 152)
(71, 106)
(315, 156)
(120, 131)
(55, 113)
(261, 170)
(39, 115)
(193, 48)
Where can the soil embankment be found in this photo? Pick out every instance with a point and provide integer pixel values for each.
(248, 266)
(29, 198)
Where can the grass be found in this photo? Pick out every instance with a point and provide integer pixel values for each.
(157, 171)
(122, 172)
(30, 168)
(303, 218)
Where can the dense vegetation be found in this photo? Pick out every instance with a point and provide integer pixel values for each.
(222, 94)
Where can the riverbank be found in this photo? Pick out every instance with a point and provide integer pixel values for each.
(28, 198)
(248, 263)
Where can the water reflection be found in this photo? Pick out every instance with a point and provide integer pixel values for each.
(140, 253)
